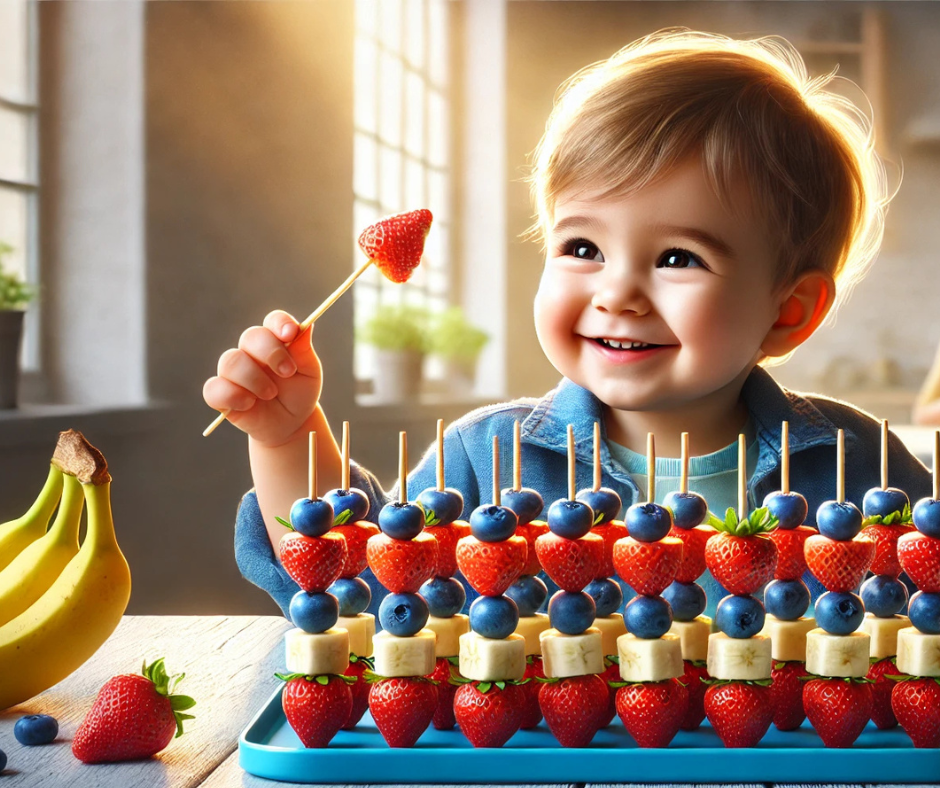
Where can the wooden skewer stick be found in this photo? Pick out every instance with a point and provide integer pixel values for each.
(496, 494)
(312, 318)
(785, 458)
(651, 467)
(840, 468)
(312, 466)
(936, 461)
(597, 456)
(344, 483)
(516, 457)
(572, 487)
(440, 454)
(403, 467)
(884, 454)
(742, 477)
(684, 463)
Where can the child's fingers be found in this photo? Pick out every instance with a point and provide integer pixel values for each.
(266, 349)
(283, 325)
(221, 394)
(242, 370)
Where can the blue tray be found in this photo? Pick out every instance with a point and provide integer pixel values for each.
(269, 748)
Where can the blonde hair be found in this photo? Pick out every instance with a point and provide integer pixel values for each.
(749, 109)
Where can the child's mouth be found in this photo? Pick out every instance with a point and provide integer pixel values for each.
(626, 345)
(616, 351)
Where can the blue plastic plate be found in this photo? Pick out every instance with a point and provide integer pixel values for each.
(269, 748)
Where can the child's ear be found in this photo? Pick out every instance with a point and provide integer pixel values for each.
(803, 308)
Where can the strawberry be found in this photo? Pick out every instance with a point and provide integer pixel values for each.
(791, 561)
(356, 535)
(132, 717)
(919, 555)
(611, 673)
(531, 711)
(838, 709)
(444, 668)
(886, 538)
(574, 708)
(610, 533)
(839, 566)
(488, 713)
(648, 567)
(652, 711)
(739, 711)
(881, 713)
(693, 540)
(916, 704)
(530, 532)
(313, 562)
(402, 708)
(447, 537)
(695, 686)
(491, 567)
(316, 707)
(395, 244)
(787, 694)
(571, 563)
(358, 667)
(742, 557)
(402, 565)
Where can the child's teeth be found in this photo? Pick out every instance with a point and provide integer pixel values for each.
(624, 345)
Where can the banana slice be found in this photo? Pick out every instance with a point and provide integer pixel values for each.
(487, 659)
(411, 656)
(530, 627)
(448, 631)
(315, 655)
(918, 653)
(884, 634)
(572, 655)
(837, 655)
(739, 659)
(655, 659)
(693, 637)
(361, 629)
(611, 627)
(788, 638)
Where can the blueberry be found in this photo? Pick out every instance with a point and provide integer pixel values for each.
(445, 596)
(441, 507)
(740, 616)
(570, 519)
(839, 521)
(604, 502)
(839, 613)
(883, 596)
(882, 502)
(491, 523)
(353, 501)
(403, 615)
(401, 520)
(3, 760)
(648, 522)
(688, 508)
(687, 600)
(494, 616)
(35, 729)
(525, 502)
(353, 595)
(927, 517)
(529, 593)
(790, 509)
(315, 612)
(607, 596)
(786, 599)
(924, 612)
(571, 612)
(647, 617)
(311, 518)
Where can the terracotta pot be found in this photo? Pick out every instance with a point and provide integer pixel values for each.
(11, 335)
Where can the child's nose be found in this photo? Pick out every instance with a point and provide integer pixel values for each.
(619, 293)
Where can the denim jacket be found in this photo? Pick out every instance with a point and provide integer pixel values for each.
(813, 424)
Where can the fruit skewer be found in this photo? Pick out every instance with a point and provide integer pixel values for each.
(887, 517)
(742, 557)
(402, 699)
(837, 698)
(787, 597)
(685, 596)
(489, 703)
(651, 703)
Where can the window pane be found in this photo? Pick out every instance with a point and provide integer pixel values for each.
(437, 41)
(438, 197)
(365, 167)
(414, 185)
(14, 144)
(414, 114)
(14, 71)
(366, 80)
(437, 129)
(414, 32)
(13, 229)
(390, 179)
(390, 98)
(390, 24)
(366, 16)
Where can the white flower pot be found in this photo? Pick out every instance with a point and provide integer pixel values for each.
(397, 375)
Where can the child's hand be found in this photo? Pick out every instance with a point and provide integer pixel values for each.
(270, 383)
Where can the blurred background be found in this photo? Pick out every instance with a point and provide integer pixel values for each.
(172, 171)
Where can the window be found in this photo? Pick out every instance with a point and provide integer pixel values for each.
(401, 146)
(18, 144)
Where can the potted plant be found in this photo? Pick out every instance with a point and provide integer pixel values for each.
(459, 343)
(399, 336)
(15, 295)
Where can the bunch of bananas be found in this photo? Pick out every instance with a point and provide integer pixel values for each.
(59, 601)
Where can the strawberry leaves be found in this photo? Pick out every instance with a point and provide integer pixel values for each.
(894, 518)
(760, 521)
(165, 685)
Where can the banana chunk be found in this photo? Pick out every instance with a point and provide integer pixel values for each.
(572, 655)
(693, 637)
(739, 659)
(611, 627)
(487, 659)
(787, 638)
(448, 631)
(918, 653)
(315, 655)
(530, 627)
(361, 629)
(411, 656)
(884, 634)
(644, 659)
(842, 656)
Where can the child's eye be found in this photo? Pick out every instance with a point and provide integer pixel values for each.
(583, 250)
(679, 258)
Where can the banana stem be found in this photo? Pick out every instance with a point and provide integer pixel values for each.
(100, 533)
(69, 517)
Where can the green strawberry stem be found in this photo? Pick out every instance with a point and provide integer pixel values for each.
(164, 685)
(323, 678)
(754, 682)
(760, 521)
(894, 518)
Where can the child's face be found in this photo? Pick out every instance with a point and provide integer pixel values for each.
(667, 266)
